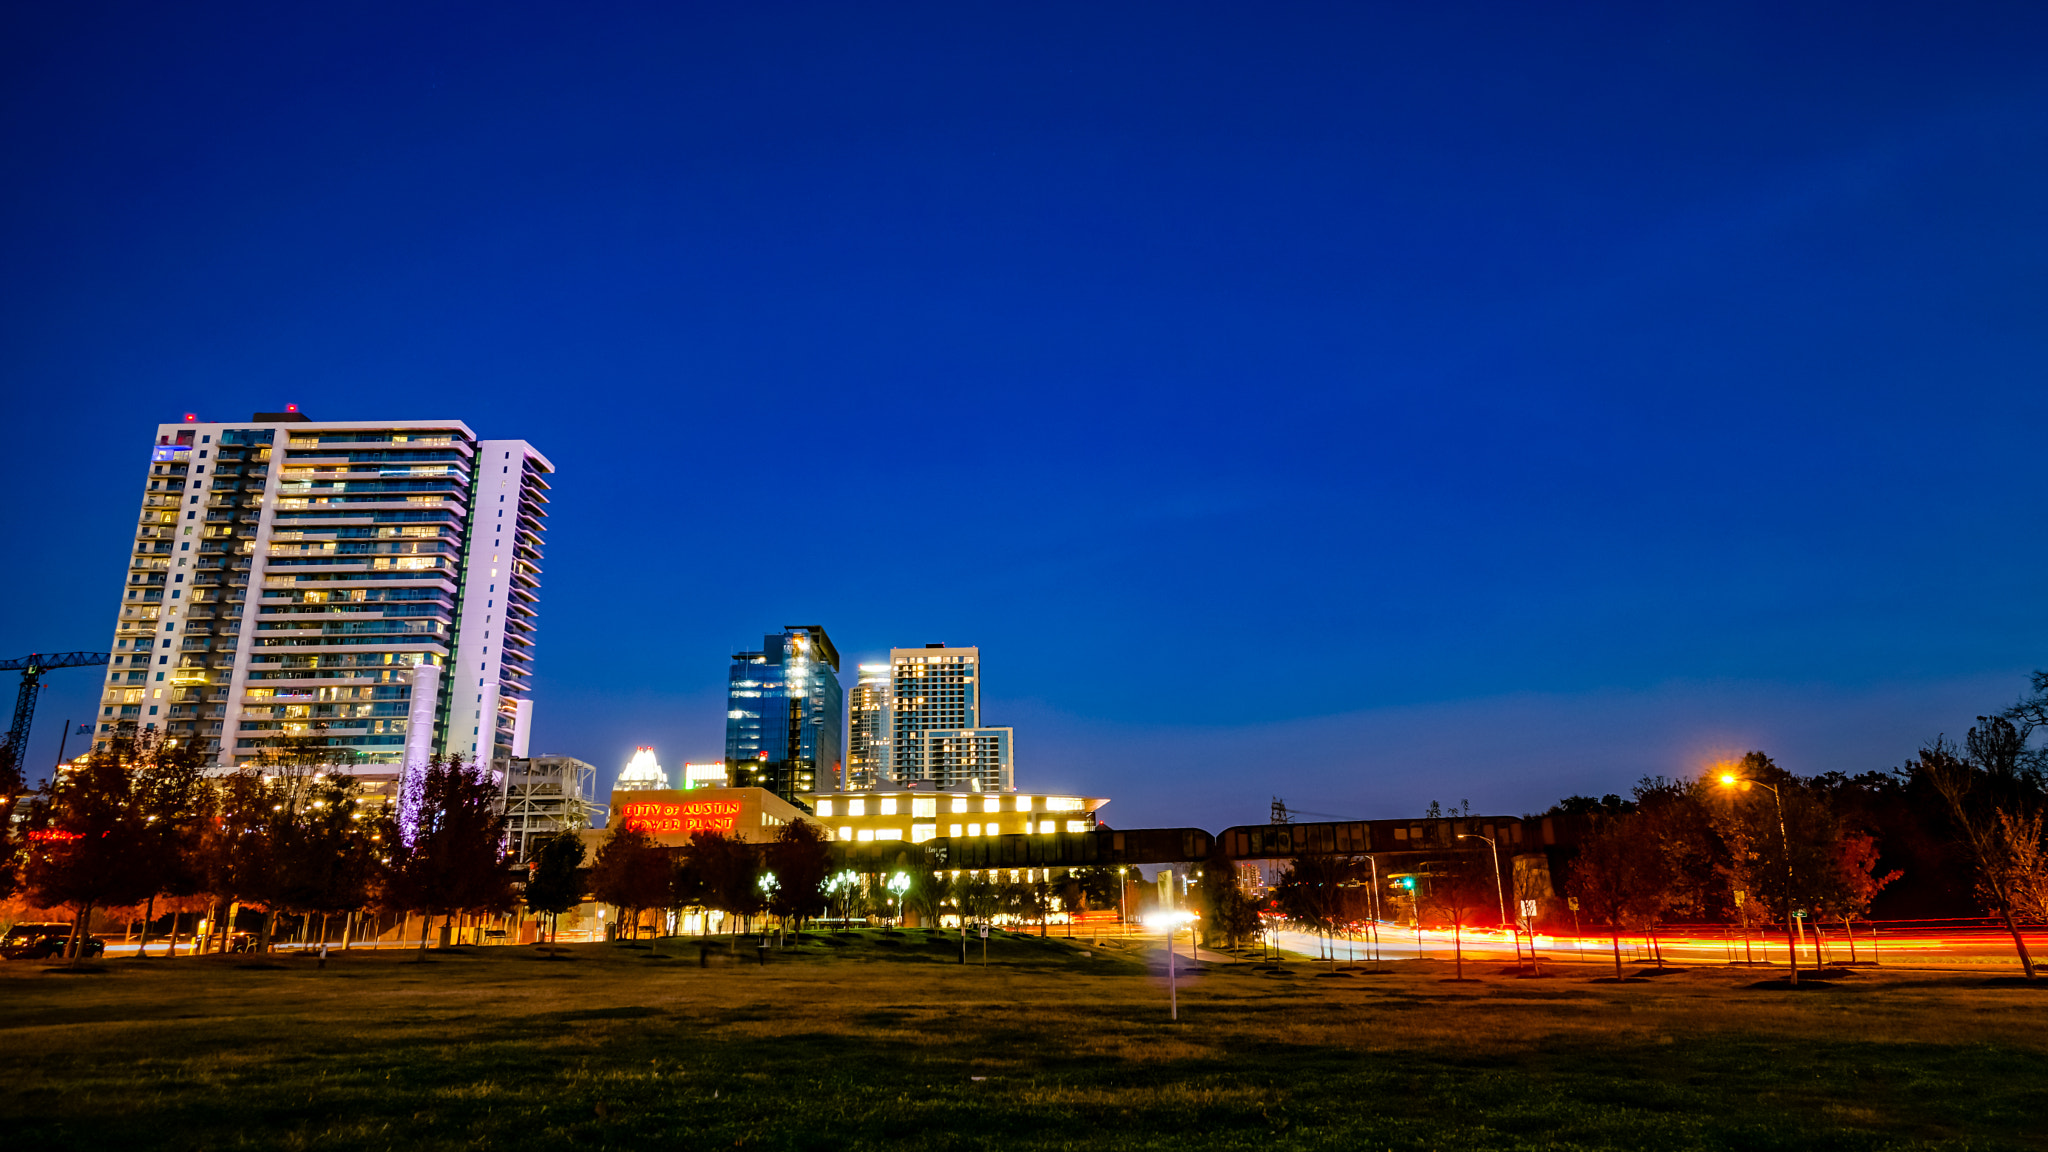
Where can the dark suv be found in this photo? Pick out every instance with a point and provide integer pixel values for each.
(42, 941)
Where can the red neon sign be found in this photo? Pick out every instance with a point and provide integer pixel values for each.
(57, 834)
(690, 816)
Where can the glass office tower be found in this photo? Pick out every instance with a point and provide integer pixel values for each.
(867, 717)
(785, 714)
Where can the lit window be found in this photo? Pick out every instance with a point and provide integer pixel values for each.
(825, 808)
(856, 807)
(865, 834)
(888, 833)
(1045, 826)
(845, 833)
(953, 829)
(919, 833)
(1023, 803)
(974, 829)
(959, 803)
(992, 804)
(924, 806)
(1077, 825)
(1063, 804)
(888, 807)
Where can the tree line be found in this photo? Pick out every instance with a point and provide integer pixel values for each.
(141, 824)
(1960, 828)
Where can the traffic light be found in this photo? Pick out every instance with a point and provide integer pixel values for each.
(1408, 882)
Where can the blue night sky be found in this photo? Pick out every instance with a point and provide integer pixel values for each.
(1359, 404)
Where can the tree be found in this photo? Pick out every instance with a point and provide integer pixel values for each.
(1226, 909)
(1988, 797)
(929, 889)
(731, 875)
(2025, 857)
(980, 898)
(1457, 887)
(1622, 877)
(1844, 891)
(1100, 887)
(1311, 893)
(685, 884)
(235, 857)
(631, 873)
(1787, 848)
(554, 879)
(171, 800)
(455, 859)
(327, 845)
(842, 889)
(800, 858)
(88, 843)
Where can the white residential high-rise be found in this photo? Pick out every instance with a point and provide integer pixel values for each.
(932, 721)
(369, 583)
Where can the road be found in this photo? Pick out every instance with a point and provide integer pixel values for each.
(1958, 948)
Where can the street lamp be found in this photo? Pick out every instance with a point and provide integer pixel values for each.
(1170, 920)
(838, 888)
(1500, 891)
(1730, 780)
(899, 884)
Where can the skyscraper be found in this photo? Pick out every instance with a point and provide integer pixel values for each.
(338, 580)
(867, 732)
(784, 712)
(933, 721)
(641, 773)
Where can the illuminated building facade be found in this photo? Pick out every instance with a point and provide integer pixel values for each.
(709, 775)
(641, 772)
(671, 817)
(368, 584)
(918, 815)
(867, 732)
(932, 719)
(785, 713)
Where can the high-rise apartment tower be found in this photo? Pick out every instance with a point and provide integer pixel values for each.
(933, 724)
(785, 713)
(367, 583)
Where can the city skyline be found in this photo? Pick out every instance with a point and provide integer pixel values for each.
(1438, 404)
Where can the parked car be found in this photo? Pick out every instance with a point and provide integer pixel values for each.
(42, 941)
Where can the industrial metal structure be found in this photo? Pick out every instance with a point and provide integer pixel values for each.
(32, 667)
(545, 795)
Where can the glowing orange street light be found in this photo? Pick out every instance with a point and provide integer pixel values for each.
(1730, 780)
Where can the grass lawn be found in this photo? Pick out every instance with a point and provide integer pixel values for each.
(875, 1041)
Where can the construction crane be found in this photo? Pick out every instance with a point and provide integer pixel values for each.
(32, 668)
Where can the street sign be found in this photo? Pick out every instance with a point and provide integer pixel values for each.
(984, 931)
(1528, 909)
